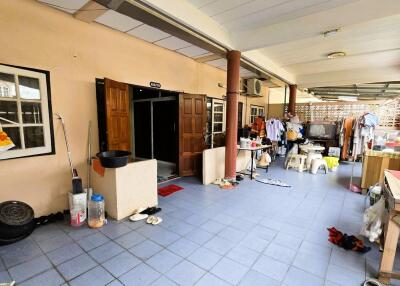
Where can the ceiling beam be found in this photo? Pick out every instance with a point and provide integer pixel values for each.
(146, 14)
(378, 91)
(208, 58)
(190, 17)
(350, 76)
(149, 14)
(359, 88)
(322, 94)
(90, 12)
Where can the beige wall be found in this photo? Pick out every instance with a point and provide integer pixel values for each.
(275, 110)
(75, 53)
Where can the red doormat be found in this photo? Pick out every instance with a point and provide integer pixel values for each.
(167, 190)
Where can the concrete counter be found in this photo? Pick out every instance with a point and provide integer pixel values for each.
(128, 188)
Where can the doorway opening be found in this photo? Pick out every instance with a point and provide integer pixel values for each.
(168, 126)
(155, 129)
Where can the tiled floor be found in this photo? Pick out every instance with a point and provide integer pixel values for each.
(254, 235)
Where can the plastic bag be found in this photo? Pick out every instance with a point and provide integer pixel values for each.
(373, 217)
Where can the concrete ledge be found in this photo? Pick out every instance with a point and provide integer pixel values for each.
(214, 163)
(128, 188)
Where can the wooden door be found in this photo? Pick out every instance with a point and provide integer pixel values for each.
(192, 128)
(118, 123)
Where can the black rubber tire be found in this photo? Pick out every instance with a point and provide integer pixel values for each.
(16, 220)
(5, 241)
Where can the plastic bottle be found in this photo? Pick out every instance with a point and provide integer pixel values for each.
(96, 217)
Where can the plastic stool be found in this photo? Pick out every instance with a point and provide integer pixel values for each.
(318, 163)
(296, 161)
(311, 157)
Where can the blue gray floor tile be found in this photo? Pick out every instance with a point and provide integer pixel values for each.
(253, 235)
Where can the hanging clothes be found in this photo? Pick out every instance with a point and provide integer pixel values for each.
(347, 134)
(370, 120)
(274, 129)
(357, 138)
(258, 127)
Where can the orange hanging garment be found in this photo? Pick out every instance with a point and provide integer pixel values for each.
(348, 132)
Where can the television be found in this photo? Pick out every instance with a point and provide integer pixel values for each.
(321, 130)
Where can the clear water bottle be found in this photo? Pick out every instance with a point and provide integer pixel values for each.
(96, 216)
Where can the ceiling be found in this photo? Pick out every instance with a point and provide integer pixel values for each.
(283, 37)
(253, 14)
(138, 29)
(286, 36)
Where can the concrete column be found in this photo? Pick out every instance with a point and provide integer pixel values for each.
(232, 95)
(292, 99)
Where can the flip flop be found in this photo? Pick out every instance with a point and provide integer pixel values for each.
(138, 217)
(154, 220)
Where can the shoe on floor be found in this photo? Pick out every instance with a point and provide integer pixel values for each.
(151, 211)
(154, 220)
(138, 217)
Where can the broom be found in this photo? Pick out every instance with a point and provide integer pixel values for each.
(77, 186)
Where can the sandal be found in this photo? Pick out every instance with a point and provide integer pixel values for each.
(151, 211)
(154, 220)
(138, 217)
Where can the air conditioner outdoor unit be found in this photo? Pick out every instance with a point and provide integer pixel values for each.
(254, 87)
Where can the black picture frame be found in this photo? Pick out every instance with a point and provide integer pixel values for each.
(50, 109)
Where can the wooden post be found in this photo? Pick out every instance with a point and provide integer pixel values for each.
(292, 99)
(232, 99)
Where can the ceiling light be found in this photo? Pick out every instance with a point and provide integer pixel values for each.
(330, 32)
(336, 55)
(349, 98)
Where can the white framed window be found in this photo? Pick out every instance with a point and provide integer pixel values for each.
(25, 111)
(256, 111)
(216, 122)
(218, 116)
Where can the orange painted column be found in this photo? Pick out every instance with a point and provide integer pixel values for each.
(232, 96)
(292, 99)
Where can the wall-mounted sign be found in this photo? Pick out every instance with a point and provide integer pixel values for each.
(155, 84)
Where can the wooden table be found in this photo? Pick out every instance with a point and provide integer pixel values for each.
(253, 150)
(391, 193)
(374, 164)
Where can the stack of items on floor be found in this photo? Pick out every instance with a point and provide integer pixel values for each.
(348, 242)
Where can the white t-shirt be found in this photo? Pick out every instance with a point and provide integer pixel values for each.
(274, 128)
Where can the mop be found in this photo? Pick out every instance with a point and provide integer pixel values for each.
(89, 189)
(77, 186)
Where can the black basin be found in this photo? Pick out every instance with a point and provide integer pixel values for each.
(113, 159)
